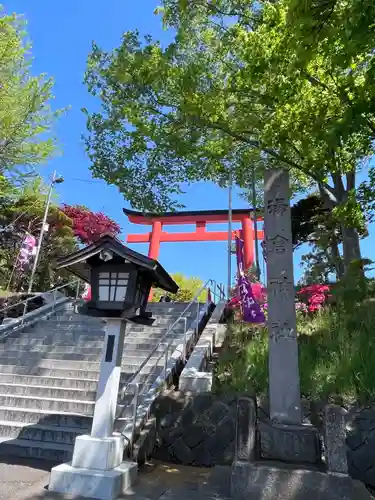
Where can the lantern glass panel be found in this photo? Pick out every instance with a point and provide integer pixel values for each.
(113, 286)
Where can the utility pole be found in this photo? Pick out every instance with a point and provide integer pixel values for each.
(254, 203)
(230, 186)
(54, 180)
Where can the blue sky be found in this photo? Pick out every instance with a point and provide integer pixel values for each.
(61, 35)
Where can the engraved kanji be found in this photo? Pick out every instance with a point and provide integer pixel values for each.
(280, 330)
(277, 206)
(281, 288)
(277, 244)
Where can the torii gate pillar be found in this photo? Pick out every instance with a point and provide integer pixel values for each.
(155, 240)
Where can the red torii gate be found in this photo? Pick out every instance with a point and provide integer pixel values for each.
(200, 218)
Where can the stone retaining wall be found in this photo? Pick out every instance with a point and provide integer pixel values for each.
(195, 429)
(200, 430)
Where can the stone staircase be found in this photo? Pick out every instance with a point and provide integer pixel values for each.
(49, 373)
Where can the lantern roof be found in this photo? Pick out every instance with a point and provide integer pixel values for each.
(77, 262)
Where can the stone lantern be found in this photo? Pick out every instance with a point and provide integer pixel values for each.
(120, 280)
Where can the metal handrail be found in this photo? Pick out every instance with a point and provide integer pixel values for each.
(39, 294)
(162, 340)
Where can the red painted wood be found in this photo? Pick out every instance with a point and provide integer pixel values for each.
(154, 238)
(187, 219)
(181, 237)
(248, 242)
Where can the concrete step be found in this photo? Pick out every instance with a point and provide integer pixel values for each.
(67, 382)
(55, 404)
(134, 342)
(75, 319)
(23, 342)
(64, 417)
(41, 381)
(28, 357)
(47, 369)
(154, 329)
(51, 336)
(34, 349)
(57, 335)
(71, 339)
(45, 391)
(161, 320)
(130, 349)
(43, 331)
(47, 404)
(59, 419)
(22, 448)
(40, 432)
(84, 329)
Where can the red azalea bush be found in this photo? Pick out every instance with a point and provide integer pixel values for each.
(89, 226)
(259, 292)
(314, 296)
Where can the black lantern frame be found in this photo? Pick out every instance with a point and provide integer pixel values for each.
(120, 278)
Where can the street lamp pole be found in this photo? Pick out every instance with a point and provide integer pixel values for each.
(230, 186)
(254, 204)
(54, 180)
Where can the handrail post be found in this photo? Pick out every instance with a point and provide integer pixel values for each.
(136, 398)
(76, 298)
(213, 289)
(185, 332)
(54, 301)
(197, 320)
(166, 362)
(24, 311)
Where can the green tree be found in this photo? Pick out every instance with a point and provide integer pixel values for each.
(188, 288)
(23, 212)
(25, 113)
(232, 91)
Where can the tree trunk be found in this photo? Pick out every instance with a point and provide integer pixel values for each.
(350, 238)
(350, 245)
(335, 256)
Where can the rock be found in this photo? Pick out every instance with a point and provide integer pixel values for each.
(181, 452)
(246, 429)
(195, 434)
(216, 412)
(335, 439)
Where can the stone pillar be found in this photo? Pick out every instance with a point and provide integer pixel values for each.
(97, 469)
(335, 439)
(245, 448)
(109, 379)
(284, 384)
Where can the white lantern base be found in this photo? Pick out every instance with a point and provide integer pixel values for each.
(98, 453)
(90, 483)
(96, 470)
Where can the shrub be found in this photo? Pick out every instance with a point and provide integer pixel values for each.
(336, 356)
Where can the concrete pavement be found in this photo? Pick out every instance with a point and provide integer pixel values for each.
(28, 480)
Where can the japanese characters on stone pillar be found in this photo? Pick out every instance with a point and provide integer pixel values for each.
(284, 383)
